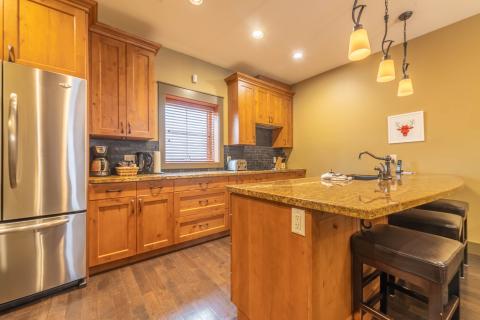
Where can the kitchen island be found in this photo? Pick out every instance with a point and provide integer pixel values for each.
(279, 274)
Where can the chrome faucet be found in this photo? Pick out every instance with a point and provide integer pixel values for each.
(384, 169)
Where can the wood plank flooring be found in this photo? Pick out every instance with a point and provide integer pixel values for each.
(192, 284)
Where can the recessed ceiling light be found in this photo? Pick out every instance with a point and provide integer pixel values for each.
(257, 34)
(196, 2)
(297, 55)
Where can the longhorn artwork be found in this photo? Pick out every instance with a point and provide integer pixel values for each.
(408, 127)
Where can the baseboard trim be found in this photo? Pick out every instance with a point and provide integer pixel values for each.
(474, 248)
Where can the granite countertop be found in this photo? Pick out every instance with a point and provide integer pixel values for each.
(359, 199)
(186, 174)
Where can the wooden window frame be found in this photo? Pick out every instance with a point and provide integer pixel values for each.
(166, 91)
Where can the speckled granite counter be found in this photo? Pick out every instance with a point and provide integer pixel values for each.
(359, 199)
(189, 174)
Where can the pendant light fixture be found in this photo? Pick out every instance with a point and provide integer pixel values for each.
(386, 70)
(405, 86)
(359, 47)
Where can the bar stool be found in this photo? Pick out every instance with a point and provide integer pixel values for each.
(430, 262)
(434, 222)
(456, 207)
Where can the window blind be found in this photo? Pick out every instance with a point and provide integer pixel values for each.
(191, 131)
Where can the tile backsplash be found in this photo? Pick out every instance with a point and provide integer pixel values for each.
(259, 157)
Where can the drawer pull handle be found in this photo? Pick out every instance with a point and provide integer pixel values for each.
(113, 190)
(203, 202)
(156, 190)
(132, 203)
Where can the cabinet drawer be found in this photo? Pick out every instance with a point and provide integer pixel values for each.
(200, 225)
(153, 188)
(251, 178)
(112, 190)
(200, 183)
(194, 202)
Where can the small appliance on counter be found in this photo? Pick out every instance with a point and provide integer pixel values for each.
(237, 165)
(99, 166)
(145, 162)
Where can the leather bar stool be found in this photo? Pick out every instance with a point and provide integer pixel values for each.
(456, 207)
(431, 263)
(434, 222)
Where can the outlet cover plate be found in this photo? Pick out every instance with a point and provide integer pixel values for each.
(298, 221)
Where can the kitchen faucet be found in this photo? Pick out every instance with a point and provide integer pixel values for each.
(384, 170)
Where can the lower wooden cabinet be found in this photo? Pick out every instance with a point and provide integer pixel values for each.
(111, 229)
(155, 222)
(200, 213)
(130, 218)
(200, 225)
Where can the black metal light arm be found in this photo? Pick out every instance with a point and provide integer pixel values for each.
(357, 12)
(386, 44)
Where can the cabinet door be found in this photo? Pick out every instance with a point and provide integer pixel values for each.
(47, 34)
(155, 222)
(262, 109)
(108, 112)
(283, 137)
(111, 229)
(276, 109)
(141, 108)
(246, 113)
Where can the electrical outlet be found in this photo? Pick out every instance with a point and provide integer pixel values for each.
(129, 157)
(298, 221)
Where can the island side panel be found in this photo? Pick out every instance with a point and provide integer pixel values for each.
(332, 266)
(271, 266)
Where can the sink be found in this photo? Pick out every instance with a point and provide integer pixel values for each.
(364, 177)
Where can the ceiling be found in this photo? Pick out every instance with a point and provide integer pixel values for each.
(219, 31)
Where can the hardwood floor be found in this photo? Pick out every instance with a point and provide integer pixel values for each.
(190, 284)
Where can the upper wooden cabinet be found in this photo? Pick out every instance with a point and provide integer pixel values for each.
(123, 91)
(48, 34)
(255, 102)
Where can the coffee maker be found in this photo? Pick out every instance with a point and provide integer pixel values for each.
(145, 162)
(99, 166)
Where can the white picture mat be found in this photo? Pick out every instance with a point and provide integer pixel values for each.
(412, 119)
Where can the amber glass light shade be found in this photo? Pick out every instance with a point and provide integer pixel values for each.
(386, 71)
(405, 87)
(359, 47)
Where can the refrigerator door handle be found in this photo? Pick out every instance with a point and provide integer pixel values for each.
(37, 226)
(13, 140)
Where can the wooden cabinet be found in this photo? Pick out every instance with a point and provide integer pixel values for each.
(131, 218)
(155, 221)
(48, 34)
(109, 85)
(241, 113)
(271, 106)
(123, 90)
(283, 137)
(111, 229)
(141, 93)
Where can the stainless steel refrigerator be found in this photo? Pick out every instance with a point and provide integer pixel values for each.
(44, 165)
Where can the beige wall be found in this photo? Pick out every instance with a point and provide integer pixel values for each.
(177, 68)
(343, 112)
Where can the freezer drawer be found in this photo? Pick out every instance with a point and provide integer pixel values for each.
(41, 254)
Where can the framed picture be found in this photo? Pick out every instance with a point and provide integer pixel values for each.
(407, 127)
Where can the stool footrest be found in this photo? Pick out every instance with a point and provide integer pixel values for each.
(451, 307)
(375, 313)
(370, 277)
(408, 292)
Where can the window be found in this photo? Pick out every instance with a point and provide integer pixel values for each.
(191, 131)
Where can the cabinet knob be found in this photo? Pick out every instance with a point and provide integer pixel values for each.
(140, 205)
